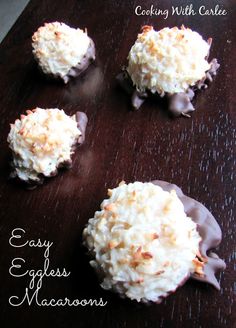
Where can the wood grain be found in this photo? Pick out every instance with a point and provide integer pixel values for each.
(197, 154)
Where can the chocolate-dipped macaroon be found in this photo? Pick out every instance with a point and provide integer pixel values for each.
(171, 62)
(43, 141)
(149, 238)
(61, 51)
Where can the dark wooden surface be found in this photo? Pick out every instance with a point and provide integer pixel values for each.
(197, 154)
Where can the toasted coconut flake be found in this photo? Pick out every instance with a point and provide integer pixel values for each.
(147, 255)
(110, 207)
(160, 272)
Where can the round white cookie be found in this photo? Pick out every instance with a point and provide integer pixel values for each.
(143, 244)
(41, 141)
(58, 48)
(168, 61)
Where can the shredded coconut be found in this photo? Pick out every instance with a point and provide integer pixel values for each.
(170, 60)
(58, 47)
(143, 244)
(42, 140)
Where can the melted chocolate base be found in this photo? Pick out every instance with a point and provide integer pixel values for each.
(209, 231)
(82, 120)
(179, 103)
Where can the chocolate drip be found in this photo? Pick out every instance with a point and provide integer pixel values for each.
(179, 103)
(209, 231)
(208, 78)
(138, 99)
(87, 59)
(82, 120)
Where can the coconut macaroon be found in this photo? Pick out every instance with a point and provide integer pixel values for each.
(43, 141)
(142, 242)
(169, 62)
(61, 51)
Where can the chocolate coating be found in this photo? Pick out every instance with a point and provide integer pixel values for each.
(179, 103)
(82, 120)
(209, 231)
(208, 78)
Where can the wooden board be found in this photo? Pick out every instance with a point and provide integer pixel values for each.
(197, 154)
